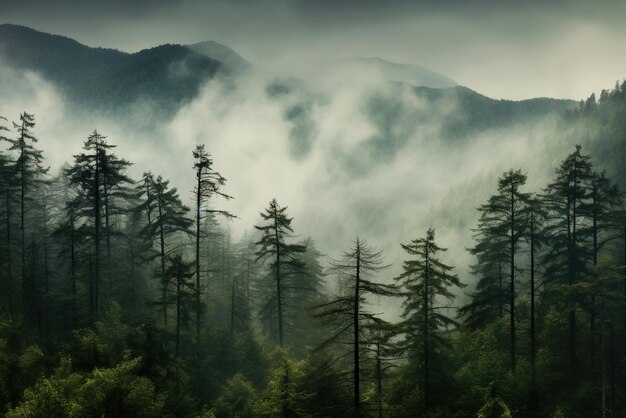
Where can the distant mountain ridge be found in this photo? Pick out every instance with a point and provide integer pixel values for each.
(221, 53)
(167, 76)
(406, 73)
(108, 78)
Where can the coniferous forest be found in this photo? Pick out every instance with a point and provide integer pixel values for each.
(122, 297)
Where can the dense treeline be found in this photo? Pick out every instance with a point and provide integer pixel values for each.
(119, 300)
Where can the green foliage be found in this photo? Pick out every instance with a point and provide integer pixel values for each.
(90, 270)
(106, 344)
(116, 391)
(237, 398)
(286, 393)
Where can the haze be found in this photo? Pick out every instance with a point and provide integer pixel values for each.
(504, 49)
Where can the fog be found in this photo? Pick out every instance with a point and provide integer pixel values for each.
(505, 49)
(335, 190)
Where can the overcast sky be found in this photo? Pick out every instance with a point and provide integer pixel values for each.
(504, 49)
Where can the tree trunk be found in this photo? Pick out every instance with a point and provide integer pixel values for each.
(179, 278)
(10, 257)
(512, 295)
(357, 296)
(97, 209)
(379, 381)
(162, 248)
(603, 369)
(500, 288)
(572, 312)
(198, 298)
(109, 285)
(25, 293)
(425, 331)
(592, 309)
(278, 284)
(73, 270)
(533, 342)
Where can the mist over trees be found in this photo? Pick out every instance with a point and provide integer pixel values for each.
(118, 299)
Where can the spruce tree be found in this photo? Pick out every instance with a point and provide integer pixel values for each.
(169, 219)
(29, 173)
(567, 256)
(208, 185)
(7, 182)
(500, 229)
(347, 313)
(99, 179)
(284, 261)
(425, 283)
(179, 274)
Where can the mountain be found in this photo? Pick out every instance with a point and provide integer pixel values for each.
(167, 75)
(406, 73)
(221, 53)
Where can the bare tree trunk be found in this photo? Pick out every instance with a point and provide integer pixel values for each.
(198, 297)
(512, 295)
(162, 247)
(279, 300)
(603, 369)
(357, 296)
(73, 269)
(10, 256)
(97, 209)
(425, 331)
(533, 334)
(179, 278)
(379, 381)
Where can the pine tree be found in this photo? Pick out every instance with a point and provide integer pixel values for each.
(179, 274)
(169, 219)
(535, 216)
(208, 185)
(567, 258)
(29, 174)
(346, 313)
(306, 292)
(602, 208)
(283, 258)
(7, 181)
(97, 176)
(425, 282)
(499, 231)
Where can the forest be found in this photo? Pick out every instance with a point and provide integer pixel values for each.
(118, 299)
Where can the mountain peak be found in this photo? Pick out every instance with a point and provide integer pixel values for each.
(222, 53)
(407, 73)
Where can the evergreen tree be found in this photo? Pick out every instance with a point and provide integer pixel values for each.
(98, 177)
(29, 174)
(284, 262)
(425, 282)
(179, 274)
(500, 229)
(347, 312)
(535, 216)
(208, 185)
(602, 208)
(567, 256)
(304, 294)
(169, 219)
(7, 181)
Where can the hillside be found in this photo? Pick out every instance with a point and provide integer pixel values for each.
(105, 78)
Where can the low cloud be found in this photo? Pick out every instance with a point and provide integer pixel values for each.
(335, 191)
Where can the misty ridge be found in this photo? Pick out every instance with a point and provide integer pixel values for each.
(183, 297)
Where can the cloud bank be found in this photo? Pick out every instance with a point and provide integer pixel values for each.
(340, 187)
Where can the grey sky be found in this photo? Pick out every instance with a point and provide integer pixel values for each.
(508, 49)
